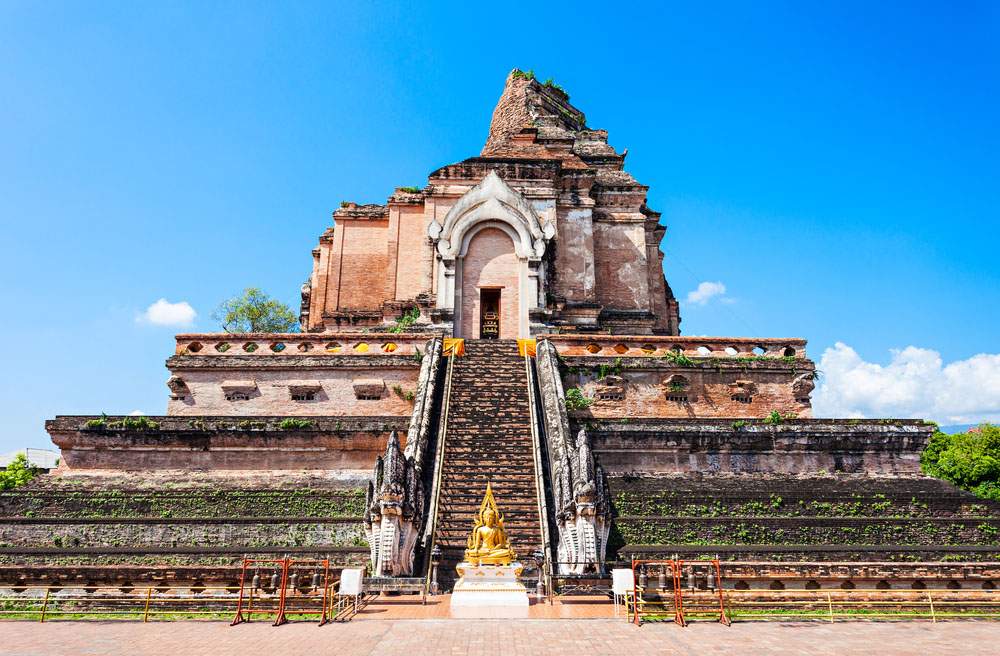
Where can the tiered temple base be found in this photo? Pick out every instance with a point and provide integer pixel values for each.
(489, 586)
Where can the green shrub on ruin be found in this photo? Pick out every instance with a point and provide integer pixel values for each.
(969, 460)
(551, 84)
(677, 358)
(613, 369)
(138, 423)
(406, 395)
(292, 423)
(404, 321)
(575, 400)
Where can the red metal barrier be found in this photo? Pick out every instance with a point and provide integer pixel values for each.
(244, 613)
(676, 570)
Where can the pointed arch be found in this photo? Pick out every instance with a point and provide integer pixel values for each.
(491, 200)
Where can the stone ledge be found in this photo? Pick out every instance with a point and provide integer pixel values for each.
(751, 446)
(724, 363)
(202, 424)
(63, 521)
(181, 362)
(155, 549)
(225, 443)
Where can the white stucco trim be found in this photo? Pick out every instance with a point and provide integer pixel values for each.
(490, 204)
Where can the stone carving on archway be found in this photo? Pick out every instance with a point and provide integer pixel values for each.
(491, 203)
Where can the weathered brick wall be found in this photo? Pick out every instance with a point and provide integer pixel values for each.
(362, 264)
(789, 517)
(143, 532)
(647, 393)
(335, 395)
(490, 262)
(751, 446)
(620, 257)
(574, 277)
(350, 444)
(414, 254)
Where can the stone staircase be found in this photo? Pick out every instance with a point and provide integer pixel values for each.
(488, 439)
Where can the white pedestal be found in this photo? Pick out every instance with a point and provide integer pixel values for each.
(489, 586)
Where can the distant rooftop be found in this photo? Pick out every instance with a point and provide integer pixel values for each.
(41, 458)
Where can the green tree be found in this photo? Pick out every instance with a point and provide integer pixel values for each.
(255, 312)
(18, 472)
(969, 460)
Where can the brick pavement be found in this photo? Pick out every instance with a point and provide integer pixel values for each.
(494, 637)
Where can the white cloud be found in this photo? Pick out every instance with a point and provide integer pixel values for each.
(705, 292)
(915, 383)
(136, 413)
(165, 313)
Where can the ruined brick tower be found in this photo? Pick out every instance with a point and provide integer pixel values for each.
(544, 230)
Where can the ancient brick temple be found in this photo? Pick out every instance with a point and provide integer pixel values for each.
(545, 229)
(370, 436)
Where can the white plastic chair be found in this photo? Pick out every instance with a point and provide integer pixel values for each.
(622, 587)
(351, 585)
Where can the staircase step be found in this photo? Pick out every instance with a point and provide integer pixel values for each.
(487, 440)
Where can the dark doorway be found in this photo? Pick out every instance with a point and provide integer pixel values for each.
(489, 314)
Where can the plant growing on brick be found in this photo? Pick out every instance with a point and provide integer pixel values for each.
(677, 358)
(292, 423)
(406, 395)
(404, 321)
(613, 369)
(575, 400)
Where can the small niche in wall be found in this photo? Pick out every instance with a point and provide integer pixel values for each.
(304, 391)
(239, 390)
(368, 389)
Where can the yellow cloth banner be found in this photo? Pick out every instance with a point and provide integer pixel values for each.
(454, 346)
(526, 348)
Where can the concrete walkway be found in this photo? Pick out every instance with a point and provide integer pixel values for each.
(597, 637)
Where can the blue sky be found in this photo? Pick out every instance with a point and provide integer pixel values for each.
(833, 168)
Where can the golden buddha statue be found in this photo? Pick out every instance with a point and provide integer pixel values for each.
(488, 544)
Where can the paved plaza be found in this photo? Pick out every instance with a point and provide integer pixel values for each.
(495, 637)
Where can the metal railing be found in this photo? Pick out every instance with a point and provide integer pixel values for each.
(661, 594)
(536, 440)
(438, 475)
(154, 602)
(858, 604)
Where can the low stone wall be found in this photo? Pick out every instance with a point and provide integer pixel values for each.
(225, 443)
(843, 531)
(99, 571)
(300, 386)
(653, 446)
(272, 532)
(635, 386)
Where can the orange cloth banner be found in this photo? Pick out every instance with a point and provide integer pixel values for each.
(526, 348)
(454, 346)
